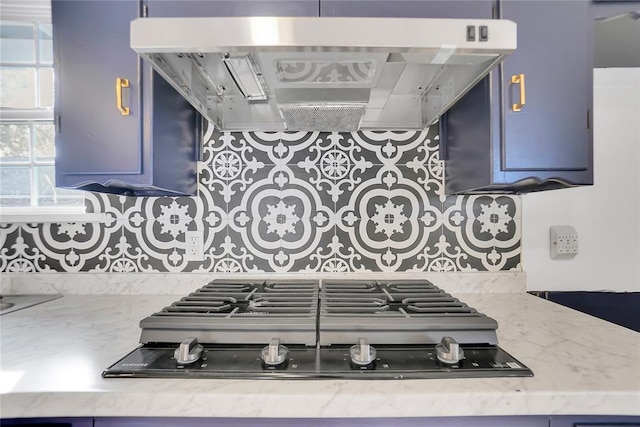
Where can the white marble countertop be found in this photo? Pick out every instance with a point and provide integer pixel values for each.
(52, 356)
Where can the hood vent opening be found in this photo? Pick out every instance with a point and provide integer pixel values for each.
(321, 74)
(322, 118)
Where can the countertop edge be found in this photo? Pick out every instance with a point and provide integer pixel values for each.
(102, 404)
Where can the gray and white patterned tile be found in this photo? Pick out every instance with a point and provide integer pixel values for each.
(37, 251)
(265, 182)
(155, 229)
(18, 253)
(306, 248)
(151, 246)
(457, 254)
(353, 247)
(212, 182)
(8, 234)
(428, 257)
(389, 218)
(309, 149)
(163, 209)
(72, 247)
(102, 203)
(293, 147)
(357, 147)
(256, 220)
(363, 228)
(290, 201)
(349, 183)
(266, 148)
(280, 219)
(309, 191)
(224, 251)
(252, 245)
(234, 164)
(392, 147)
(357, 190)
(482, 228)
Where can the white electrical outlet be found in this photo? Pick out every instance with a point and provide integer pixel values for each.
(564, 242)
(194, 246)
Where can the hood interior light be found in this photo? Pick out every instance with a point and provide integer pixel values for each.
(246, 76)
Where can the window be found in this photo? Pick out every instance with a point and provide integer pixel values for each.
(27, 131)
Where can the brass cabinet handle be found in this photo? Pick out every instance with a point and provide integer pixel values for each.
(120, 83)
(519, 79)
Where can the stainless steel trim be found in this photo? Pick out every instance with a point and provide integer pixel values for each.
(409, 70)
(237, 34)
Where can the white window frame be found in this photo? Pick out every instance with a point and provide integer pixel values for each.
(36, 12)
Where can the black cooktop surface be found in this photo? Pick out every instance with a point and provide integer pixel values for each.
(392, 362)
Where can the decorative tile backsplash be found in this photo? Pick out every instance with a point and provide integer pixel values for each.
(289, 202)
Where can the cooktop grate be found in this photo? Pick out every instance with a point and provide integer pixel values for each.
(399, 312)
(239, 312)
(303, 312)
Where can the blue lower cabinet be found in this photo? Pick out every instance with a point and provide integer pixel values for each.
(514, 421)
(48, 422)
(593, 421)
(620, 308)
(525, 421)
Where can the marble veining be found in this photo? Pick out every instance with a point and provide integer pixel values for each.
(569, 352)
(183, 283)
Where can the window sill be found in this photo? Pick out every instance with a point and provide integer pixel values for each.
(48, 215)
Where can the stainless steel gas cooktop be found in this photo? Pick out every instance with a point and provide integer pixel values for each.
(304, 329)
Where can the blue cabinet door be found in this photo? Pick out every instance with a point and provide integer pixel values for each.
(461, 9)
(98, 148)
(489, 143)
(551, 131)
(90, 40)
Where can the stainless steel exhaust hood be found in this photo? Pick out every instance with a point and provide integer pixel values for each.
(322, 74)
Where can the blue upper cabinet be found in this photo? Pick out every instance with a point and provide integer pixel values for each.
(112, 111)
(453, 9)
(551, 129)
(212, 8)
(120, 127)
(528, 126)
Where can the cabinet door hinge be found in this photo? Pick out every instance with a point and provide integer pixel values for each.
(588, 119)
(57, 124)
(145, 11)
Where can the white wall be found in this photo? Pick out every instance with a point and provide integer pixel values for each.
(606, 215)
